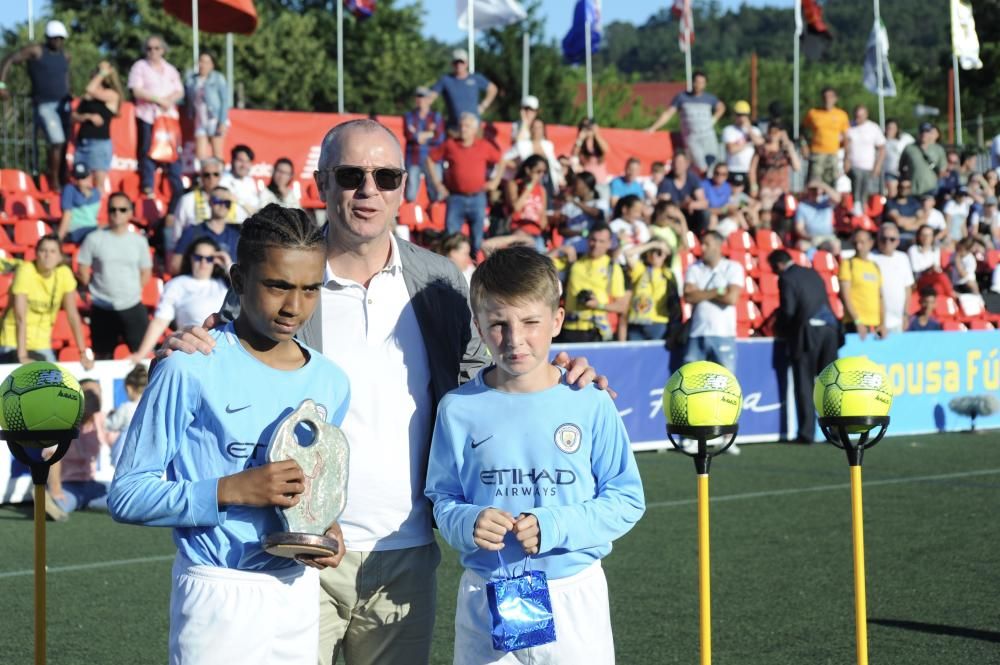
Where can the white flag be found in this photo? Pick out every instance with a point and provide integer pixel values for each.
(964, 41)
(877, 55)
(489, 13)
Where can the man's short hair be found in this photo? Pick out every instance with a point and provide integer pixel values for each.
(466, 114)
(826, 90)
(329, 154)
(887, 224)
(515, 275)
(120, 195)
(698, 73)
(599, 226)
(631, 161)
(778, 258)
(928, 291)
(713, 234)
(657, 166)
(241, 147)
(213, 161)
(859, 232)
(219, 188)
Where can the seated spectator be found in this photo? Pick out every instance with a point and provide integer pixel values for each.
(814, 214)
(595, 287)
(987, 222)
(71, 480)
(924, 319)
(924, 253)
(98, 106)
(241, 184)
(771, 166)
(40, 289)
(457, 249)
(583, 207)
(897, 278)
(861, 289)
(114, 266)
(628, 183)
(226, 235)
(684, 187)
(536, 143)
(957, 209)
(628, 224)
(651, 185)
(280, 189)
(905, 208)
(194, 207)
(195, 293)
(718, 193)
(992, 297)
(930, 216)
(119, 420)
(653, 291)
(80, 202)
(527, 199)
(962, 268)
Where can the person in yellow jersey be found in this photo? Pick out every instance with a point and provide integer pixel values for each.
(595, 287)
(40, 289)
(861, 289)
(653, 291)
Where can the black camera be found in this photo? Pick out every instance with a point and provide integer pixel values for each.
(583, 297)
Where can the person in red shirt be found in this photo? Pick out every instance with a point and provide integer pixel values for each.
(469, 159)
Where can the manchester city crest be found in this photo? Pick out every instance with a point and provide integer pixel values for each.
(568, 438)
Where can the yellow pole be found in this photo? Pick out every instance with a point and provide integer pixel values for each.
(704, 569)
(40, 574)
(860, 609)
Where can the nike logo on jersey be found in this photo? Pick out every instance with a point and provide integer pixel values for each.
(230, 409)
(476, 444)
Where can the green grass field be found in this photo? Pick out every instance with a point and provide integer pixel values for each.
(781, 559)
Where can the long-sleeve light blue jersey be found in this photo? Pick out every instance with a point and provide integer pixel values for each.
(205, 417)
(561, 454)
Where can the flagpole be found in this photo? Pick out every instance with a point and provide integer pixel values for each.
(590, 73)
(526, 65)
(229, 68)
(795, 67)
(687, 56)
(472, 36)
(340, 56)
(879, 62)
(194, 31)
(958, 100)
(31, 21)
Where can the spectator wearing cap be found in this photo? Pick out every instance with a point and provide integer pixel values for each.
(741, 139)
(814, 214)
(217, 228)
(424, 130)
(924, 162)
(628, 182)
(861, 289)
(48, 68)
(461, 89)
(897, 278)
(242, 188)
(114, 265)
(865, 156)
(521, 130)
(157, 88)
(469, 158)
(80, 202)
(828, 131)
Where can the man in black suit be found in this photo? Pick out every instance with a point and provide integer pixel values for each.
(810, 329)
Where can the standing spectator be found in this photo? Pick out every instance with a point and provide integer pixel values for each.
(957, 211)
(527, 200)
(896, 141)
(424, 130)
(627, 183)
(713, 286)
(924, 253)
(98, 106)
(962, 268)
(653, 291)
(924, 163)
(595, 286)
(699, 111)
(861, 289)
(192, 295)
(590, 149)
(536, 143)
(157, 88)
(48, 69)
(461, 89)
(650, 185)
(865, 156)
(828, 129)
(469, 157)
(814, 214)
(226, 235)
(811, 333)
(924, 319)
(741, 140)
(684, 188)
(80, 201)
(208, 105)
(897, 278)
(115, 266)
(281, 189)
(194, 207)
(521, 129)
(987, 222)
(771, 166)
(40, 289)
(242, 187)
(72, 482)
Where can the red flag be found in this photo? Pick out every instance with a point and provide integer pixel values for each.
(361, 9)
(812, 12)
(681, 10)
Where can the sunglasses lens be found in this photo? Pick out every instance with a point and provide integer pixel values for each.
(388, 178)
(349, 177)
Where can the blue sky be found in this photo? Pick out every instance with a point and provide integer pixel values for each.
(441, 14)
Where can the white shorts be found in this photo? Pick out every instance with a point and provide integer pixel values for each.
(580, 609)
(220, 615)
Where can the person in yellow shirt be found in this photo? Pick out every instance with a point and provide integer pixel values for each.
(40, 289)
(827, 128)
(595, 287)
(861, 289)
(653, 292)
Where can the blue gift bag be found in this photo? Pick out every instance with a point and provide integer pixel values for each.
(521, 609)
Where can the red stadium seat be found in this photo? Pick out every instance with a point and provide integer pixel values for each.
(750, 290)
(769, 284)
(993, 259)
(13, 180)
(122, 352)
(411, 215)
(27, 233)
(61, 332)
(767, 241)
(6, 279)
(737, 244)
(437, 216)
(151, 292)
(693, 244)
(68, 354)
(825, 263)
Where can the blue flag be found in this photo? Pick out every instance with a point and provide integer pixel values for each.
(574, 44)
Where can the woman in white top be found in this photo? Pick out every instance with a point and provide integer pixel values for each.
(963, 267)
(924, 254)
(895, 141)
(192, 296)
(539, 145)
(282, 189)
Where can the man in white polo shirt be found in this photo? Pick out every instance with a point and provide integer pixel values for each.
(897, 278)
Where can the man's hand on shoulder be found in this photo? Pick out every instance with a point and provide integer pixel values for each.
(191, 339)
(579, 373)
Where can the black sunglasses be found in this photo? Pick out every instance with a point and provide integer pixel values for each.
(201, 258)
(118, 210)
(353, 177)
(211, 174)
(220, 202)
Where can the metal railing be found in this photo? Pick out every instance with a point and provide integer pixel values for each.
(18, 140)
